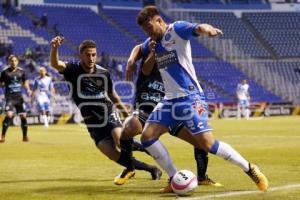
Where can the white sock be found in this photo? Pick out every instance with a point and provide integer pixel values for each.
(162, 157)
(225, 151)
(45, 118)
(247, 113)
(239, 113)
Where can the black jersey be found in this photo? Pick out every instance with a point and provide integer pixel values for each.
(149, 91)
(13, 82)
(89, 91)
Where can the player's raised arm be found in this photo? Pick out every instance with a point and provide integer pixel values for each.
(54, 58)
(135, 55)
(150, 60)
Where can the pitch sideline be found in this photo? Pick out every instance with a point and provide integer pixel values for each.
(228, 194)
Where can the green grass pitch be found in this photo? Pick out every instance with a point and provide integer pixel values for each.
(62, 163)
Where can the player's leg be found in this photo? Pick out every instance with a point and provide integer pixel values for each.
(247, 111)
(24, 126)
(5, 124)
(150, 140)
(202, 132)
(9, 107)
(131, 164)
(200, 155)
(132, 126)
(45, 110)
(225, 151)
(239, 113)
(43, 105)
(21, 111)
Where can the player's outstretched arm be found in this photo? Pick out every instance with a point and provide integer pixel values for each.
(135, 55)
(207, 29)
(54, 59)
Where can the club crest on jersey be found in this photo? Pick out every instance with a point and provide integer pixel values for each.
(167, 36)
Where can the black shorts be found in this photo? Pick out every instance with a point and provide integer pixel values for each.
(100, 133)
(15, 103)
(143, 116)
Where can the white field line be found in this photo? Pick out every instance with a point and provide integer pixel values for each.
(241, 193)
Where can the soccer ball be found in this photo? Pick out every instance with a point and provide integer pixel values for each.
(184, 182)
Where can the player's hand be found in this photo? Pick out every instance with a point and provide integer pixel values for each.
(130, 69)
(57, 41)
(29, 92)
(151, 46)
(210, 30)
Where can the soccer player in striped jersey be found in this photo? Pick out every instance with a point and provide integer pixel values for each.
(149, 92)
(184, 100)
(43, 91)
(242, 93)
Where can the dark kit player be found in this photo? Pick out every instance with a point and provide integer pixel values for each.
(13, 79)
(92, 91)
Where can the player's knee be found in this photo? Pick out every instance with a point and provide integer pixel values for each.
(132, 127)
(146, 136)
(10, 115)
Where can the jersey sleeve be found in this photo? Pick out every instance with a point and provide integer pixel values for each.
(109, 84)
(145, 47)
(185, 29)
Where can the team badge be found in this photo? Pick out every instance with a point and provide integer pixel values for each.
(168, 37)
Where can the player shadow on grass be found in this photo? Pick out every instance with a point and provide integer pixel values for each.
(97, 189)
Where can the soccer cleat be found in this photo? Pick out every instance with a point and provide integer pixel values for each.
(25, 139)
(124, 176)
(2, 139)
(208, 182)
(258, 177)
(168, 188)
(156, 173)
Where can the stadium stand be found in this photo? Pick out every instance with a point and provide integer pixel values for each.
(225, 76)
(116, 33)
(233, 29)
(279, 30)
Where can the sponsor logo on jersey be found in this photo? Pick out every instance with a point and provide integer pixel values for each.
(165, 59)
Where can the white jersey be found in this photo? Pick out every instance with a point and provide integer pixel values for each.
(42, 88)
(242, 91)
(174, 60)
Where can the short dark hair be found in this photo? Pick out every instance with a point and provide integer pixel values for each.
(87, 44)
(146, 14)
(11, 56)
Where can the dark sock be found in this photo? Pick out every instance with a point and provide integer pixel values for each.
(24, 126)
(142, 166)
(137, 146)
(202, 161)
(6, 122)
(126, 158)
